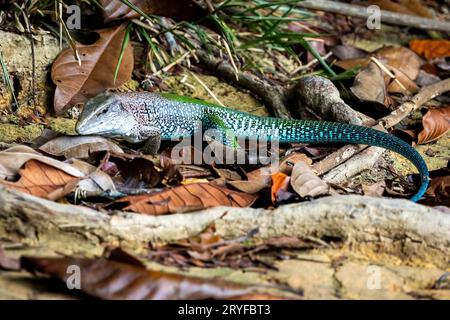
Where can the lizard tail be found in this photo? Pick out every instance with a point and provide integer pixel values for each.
(305, 131)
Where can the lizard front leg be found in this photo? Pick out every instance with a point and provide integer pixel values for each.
(152, 137)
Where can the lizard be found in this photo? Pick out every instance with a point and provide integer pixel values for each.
(144, 116)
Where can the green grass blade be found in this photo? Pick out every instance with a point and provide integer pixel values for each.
(7, 78)
(126, 40)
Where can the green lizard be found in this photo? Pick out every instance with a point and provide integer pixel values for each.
(144, 116)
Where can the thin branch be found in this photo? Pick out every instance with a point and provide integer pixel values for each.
(386, 16)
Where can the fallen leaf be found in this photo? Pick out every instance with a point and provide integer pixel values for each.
(262, 178)
(369, 85)
(436, 123)
(374, 189)
(431, 49)
(343, 52)
(280, 184)
(112, 280)
(186, 198)
(425, 79)
(175, 9)
(402, 62)
(42, 180)
(306, 183)
(12, 159)
(400, 58)
(403, 84)
(256, 181)
(410, 7)
(79, 146)
(76, 84)
(289, 161)
(140, 173)
(439, 190)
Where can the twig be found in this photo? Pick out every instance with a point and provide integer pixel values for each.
(207, 89)
(386, 16)
(310, 64)
(173, 63)
(389, 73)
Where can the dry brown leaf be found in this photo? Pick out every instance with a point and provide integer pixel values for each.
(306, 183)
(440, 187)
(106, 279)
(436, 123)
(78, 146)
(175, 9)
(369, 85)
(411, 7)
(42, 180)
(375, 189)
(352, 63)
(402, 59)
(187, 198)
(75, 83)
(431, 49)
(288, 162)
(403, 62)
(12, 159)
(261, 178)
(403, 84)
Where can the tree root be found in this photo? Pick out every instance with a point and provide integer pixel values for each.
(398, 227)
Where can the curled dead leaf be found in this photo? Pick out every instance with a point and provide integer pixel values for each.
(369, 85)
(78, 147)
(306, 183)
(436, 123)
(76, 83)
(42, 180)
(12, 159)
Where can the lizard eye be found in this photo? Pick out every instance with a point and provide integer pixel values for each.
(105, 110)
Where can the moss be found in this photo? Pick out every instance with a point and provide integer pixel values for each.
(62, 125)
(440, 149)
(15, 133)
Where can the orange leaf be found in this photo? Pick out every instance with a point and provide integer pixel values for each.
(436, 123)
(75, 83)
(187, 198)
(42, 180)
(431, 49)
(280, 181)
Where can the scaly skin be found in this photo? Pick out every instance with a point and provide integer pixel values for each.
(137, 116)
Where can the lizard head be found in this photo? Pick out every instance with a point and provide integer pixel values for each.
(105, 115)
